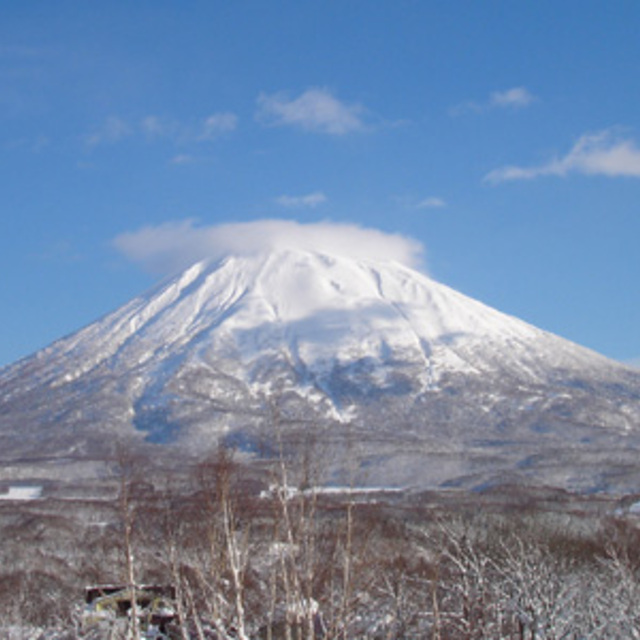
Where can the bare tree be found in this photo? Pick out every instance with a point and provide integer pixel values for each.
(228, 543)
(128, 476)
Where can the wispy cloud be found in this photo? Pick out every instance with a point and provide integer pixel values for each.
(514, 98)
(432, 202)
(309, 200)
(36, 144)
(112, 130)
(175, 245)
(183, 158)
(316, 110)
(157, 127)
(153, 127)
(217, 124)
(602, 153)
(413, 203)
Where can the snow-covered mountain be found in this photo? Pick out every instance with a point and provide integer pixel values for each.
(396, 378)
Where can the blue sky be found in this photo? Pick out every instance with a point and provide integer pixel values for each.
(502, 136)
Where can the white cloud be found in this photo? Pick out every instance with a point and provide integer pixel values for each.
(309, 200)
(172, 246)
(183, 158)
(112, 130)
(514, 98)
(217, 124)
(634, 362)
(511, 98)
(601, 153)
(431, 203)
(315, 110)
(155, 127)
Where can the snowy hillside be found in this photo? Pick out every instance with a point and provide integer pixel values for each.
(413, 370)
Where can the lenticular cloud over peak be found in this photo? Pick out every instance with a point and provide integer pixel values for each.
(171, 246)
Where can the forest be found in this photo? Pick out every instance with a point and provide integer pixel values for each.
(244, 553)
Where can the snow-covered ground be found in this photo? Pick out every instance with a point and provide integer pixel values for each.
(22, 493)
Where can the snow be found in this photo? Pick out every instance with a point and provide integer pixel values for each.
(22, 493)
(318, 310)
(366, 343)
(332, 490)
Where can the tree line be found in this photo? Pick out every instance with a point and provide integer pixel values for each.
(271, 556)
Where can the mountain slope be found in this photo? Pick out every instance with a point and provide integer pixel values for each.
(423, 384)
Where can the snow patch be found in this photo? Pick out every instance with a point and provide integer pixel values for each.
(22, 493)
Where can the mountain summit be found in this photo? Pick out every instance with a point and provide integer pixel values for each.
(397, 376)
